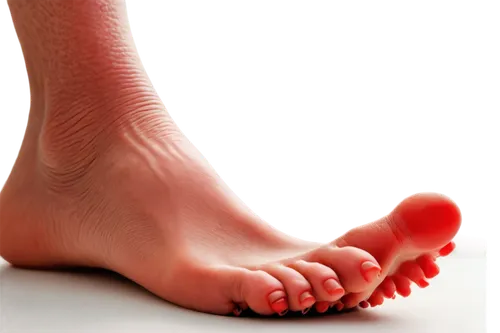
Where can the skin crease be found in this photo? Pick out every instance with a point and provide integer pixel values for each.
(105, 178)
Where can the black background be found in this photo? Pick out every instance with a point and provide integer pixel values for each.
(314, 137)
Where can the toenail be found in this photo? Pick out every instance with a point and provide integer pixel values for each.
(364, 304)
(333, 287)
(280, 306)
(306, 310)
(284, 312)
(276, 296)
(322, 307)
(393, 296)
(277, 299)
(306, 297)
(237, 311)
(370, 271)
(423, 284)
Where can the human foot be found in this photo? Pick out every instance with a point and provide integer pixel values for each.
(406, 244)
(163, 218)
(143, 202)
(105, 179)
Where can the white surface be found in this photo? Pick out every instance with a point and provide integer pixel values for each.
(36, 301)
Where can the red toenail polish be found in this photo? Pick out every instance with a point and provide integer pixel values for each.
(284, 312)
(307, 297)
(237, 311)
(278, 301)
(280, 305)
(322, 307)
(306, 310)
(339, 306)
(333, 287)
(370, 271)
(364, 304)
(423, 284)
(393, 296)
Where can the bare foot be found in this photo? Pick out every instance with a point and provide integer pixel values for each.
(141, 201)
(134, 196)
(106, 179)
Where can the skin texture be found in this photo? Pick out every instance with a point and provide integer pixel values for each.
(105, 178)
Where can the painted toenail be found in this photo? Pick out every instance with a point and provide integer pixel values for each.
(284, 312)
(307, 297)
(306, 310)
(339, 306)
(278, 302)
(237, 311)
(393, 296)
(333, 287)
(370, 271)
(423, 284)
(364, 304)
(322, 307)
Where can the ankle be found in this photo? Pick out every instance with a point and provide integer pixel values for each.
(75, 46)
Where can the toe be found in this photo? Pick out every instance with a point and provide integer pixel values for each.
(428, 265)
(356, 269)
(339, 306)
(388, 287)
(447, 249)
(263, 293)
(299, 291)
(428, 220)
(324, 281)
(239, 308)
(403, 285)
(413, 271)
(322, 307)
(364, 304)
(377, 298)
(353, 299)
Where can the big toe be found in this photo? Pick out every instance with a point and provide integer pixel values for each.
(427, 220)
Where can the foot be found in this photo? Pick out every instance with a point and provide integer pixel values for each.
(138, 199)
(104, 178)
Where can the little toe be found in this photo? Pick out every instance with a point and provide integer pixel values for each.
(356, 269)
(413, 271)
(403, 285)
(298, 289)
(323, 279)
(428, 265)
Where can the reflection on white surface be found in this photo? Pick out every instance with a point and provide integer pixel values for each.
(47, 301)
